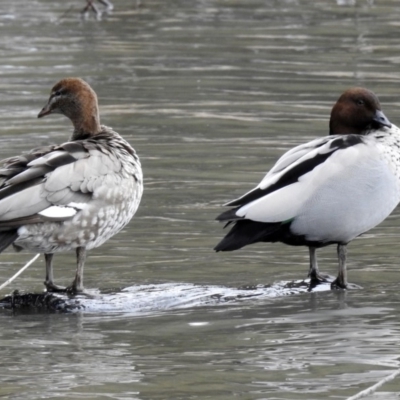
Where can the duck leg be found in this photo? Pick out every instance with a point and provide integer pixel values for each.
(341, 281)
(314, 274)
(49, 282)
(77, 284)
(90, 6)
(108, 4)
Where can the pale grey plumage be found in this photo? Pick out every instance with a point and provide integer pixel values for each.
(72, 196)
(327, 191)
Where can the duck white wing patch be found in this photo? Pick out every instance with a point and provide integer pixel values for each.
(58, 212)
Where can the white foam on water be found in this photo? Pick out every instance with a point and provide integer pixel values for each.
(144, 299)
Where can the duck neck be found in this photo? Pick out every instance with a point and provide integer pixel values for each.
(86, 124)
(345, 129)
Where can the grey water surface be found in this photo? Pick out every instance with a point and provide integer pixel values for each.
(210, 93)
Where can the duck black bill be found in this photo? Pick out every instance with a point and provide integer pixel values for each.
(381, 119)
(45, 111)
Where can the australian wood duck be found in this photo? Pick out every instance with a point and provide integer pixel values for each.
(70, 196)
(327, 191)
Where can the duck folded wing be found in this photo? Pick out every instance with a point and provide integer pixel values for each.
(53, 185)
(282, 195)
(291, 167)
(293, 155)
(339, 199)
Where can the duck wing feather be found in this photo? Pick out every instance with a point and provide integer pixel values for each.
(54, 182)
(278, 188)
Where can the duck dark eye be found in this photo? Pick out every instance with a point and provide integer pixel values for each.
(360, 102)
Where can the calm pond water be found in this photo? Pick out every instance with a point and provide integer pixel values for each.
(210, 93)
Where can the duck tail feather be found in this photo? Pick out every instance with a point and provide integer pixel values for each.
(246, 232)
(229, 215)
(7, 238)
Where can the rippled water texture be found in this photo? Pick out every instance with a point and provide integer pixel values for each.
(210, 93)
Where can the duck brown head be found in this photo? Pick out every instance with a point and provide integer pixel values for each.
(75, 99)
(357, 111)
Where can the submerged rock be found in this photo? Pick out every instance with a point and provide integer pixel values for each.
(145, 299)
(38, 302)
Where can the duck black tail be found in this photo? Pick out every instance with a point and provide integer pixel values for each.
(7, 238)
(246, 232)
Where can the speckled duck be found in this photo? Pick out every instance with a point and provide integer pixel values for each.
(73, 196)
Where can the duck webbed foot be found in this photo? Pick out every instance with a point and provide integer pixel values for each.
(51, 287)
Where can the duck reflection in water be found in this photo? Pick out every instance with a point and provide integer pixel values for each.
(91, 6)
